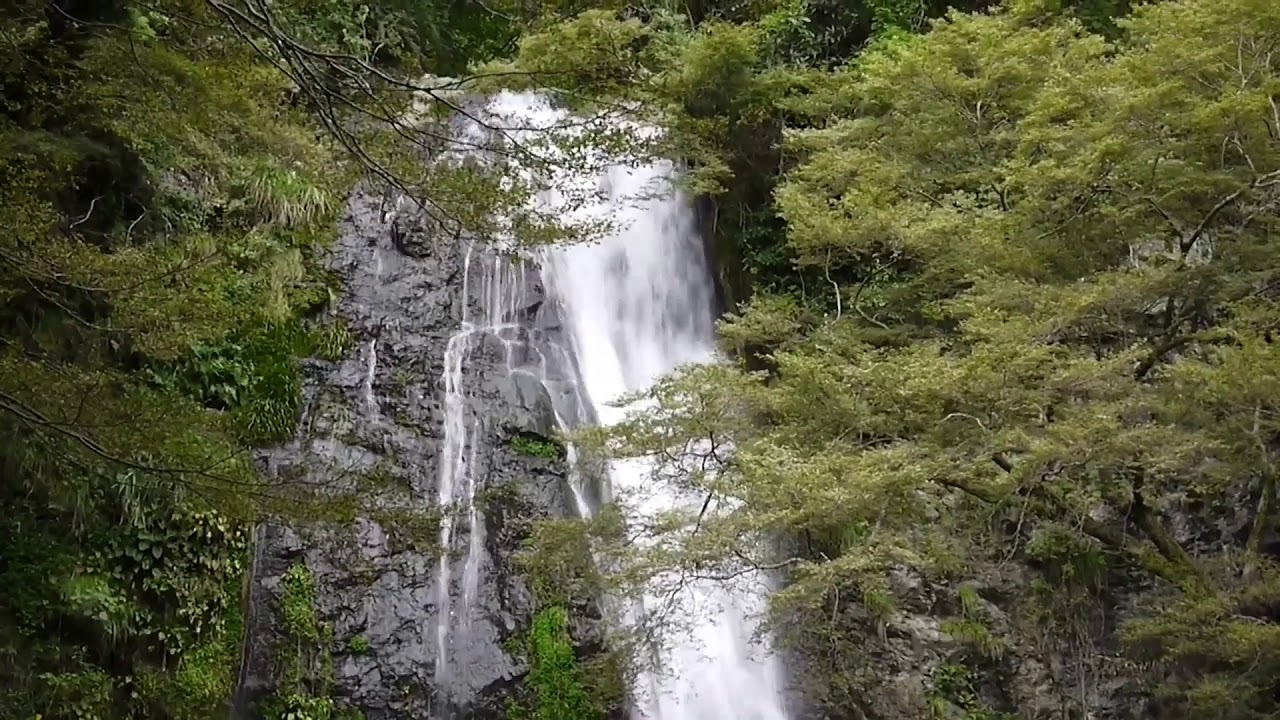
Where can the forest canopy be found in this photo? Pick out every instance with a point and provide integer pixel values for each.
(1015, 333)
(1002, 288)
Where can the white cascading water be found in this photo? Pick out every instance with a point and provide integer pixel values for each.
(501, 288)
(637, 305)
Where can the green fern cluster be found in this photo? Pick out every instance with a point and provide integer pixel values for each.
(284, 197)
(302, 691)
(536, 447)
(953, 689)
(554, 681)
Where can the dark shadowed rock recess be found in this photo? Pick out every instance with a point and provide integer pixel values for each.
(379, 413)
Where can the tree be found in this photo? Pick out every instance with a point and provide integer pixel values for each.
(1047, 337)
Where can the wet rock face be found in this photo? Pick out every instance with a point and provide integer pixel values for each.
(379, 413)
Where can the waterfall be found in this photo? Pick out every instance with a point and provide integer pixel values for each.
(637, 305)
(500, 290)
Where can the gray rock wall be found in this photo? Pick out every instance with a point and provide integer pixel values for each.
(379, 413)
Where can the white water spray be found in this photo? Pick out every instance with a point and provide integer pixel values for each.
(638, 305)
(500, 291)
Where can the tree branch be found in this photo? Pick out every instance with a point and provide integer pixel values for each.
(1147, 520)
(1266, 498)
(1045, 504)
(1260, 181)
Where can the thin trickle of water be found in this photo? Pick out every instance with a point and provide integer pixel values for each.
(475, 545)
(502, 292)
(571, 459)
(498, 284)
(372, 362)
(637, 305)
(451, 471)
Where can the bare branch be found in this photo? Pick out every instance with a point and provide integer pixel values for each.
(858, 308)
(92, 203)
(1176, 568)
(1177, 227)
(827, 269)
(1261, 181)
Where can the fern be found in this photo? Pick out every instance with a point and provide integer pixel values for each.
(284, 197)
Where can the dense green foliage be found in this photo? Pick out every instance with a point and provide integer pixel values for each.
(1011, 284)
(305, 663)
(536, 447)
(554, 677)
(565, 680)
(167, 173)
(133, 295)
(1003, 282)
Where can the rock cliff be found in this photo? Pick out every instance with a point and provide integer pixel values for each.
(380, 413)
